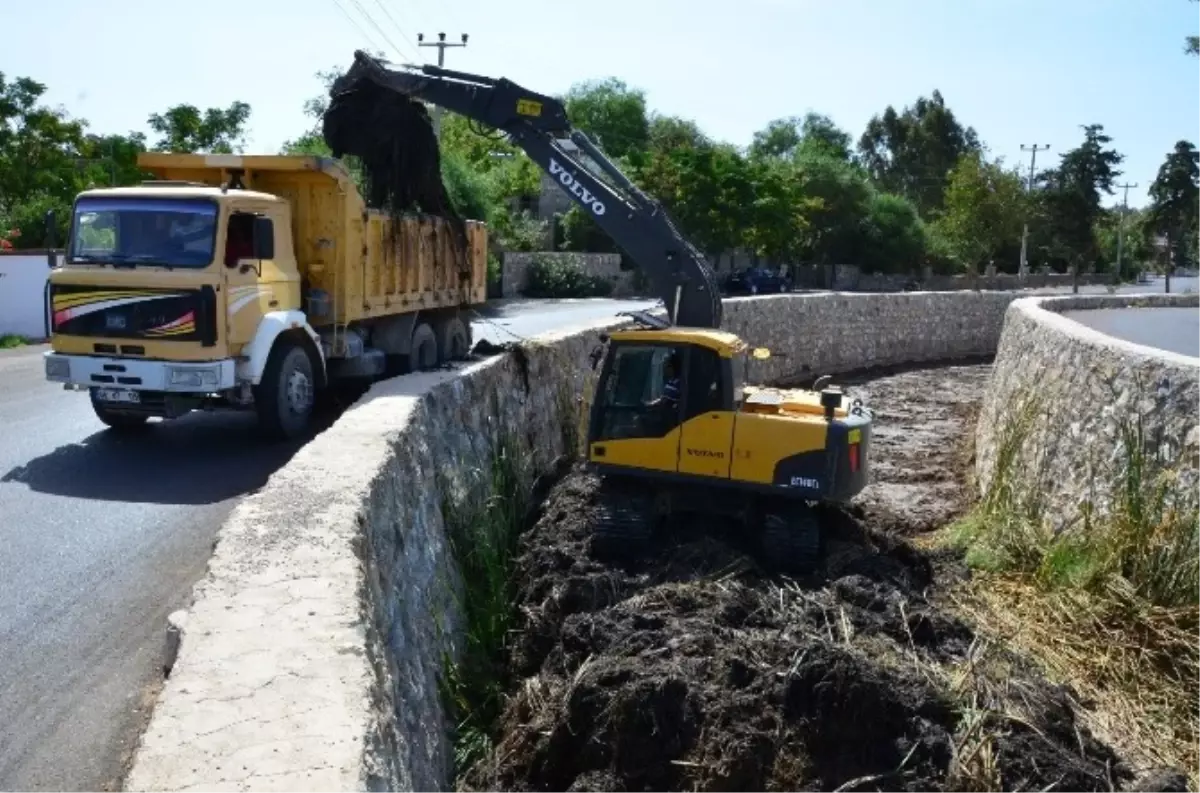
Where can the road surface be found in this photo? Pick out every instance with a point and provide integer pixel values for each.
(1173, 329)
(101, 537)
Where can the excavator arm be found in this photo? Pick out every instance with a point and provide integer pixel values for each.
(539, 125)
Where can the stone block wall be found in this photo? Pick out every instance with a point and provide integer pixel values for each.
(1085, 383)
(311, 656)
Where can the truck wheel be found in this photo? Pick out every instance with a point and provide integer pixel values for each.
(423, 354)
(285, 397)
(454, 339)
(791, 539)
(124, 422)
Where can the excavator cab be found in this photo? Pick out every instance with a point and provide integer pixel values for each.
(665, 402)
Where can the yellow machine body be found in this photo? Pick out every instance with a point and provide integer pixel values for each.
(717, 430)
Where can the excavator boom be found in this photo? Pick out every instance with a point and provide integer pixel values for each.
(538, 124)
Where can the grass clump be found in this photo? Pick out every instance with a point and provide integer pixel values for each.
(1109, 604)
(9, 341)
(483, 538)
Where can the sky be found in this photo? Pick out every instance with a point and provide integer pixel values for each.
(1018, 71)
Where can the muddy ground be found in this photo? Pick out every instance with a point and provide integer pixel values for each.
(696, 670)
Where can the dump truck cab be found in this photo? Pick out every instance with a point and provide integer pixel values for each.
(167, 294)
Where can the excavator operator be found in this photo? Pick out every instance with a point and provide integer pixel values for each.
(670, 389)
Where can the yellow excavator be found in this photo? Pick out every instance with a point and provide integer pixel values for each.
(674, 426)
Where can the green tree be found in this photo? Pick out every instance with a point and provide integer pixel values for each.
(894, 237)
(671, 132)
(1135, 248)
(779, 139)
(108, 160)
(814, 135)
(612, 114)
(1175, 201)
(41, 161)
(778, 223)
(1191, 44)
(911, 153)
(186, 129)
(311, 141)
(983, 212)
(838, 195)
(1069, 205)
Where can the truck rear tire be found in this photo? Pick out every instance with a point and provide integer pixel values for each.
(454, 339)
(284, 398)
(423, 353)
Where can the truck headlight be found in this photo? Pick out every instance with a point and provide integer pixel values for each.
(58, 368)
(194, 378)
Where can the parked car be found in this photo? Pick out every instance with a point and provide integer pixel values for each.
(757, 280)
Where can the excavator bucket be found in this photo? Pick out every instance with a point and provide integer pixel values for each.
(391, 136)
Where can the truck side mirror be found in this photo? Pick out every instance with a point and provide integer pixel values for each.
(264, 238)
(51, 239)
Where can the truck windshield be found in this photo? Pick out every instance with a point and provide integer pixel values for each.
(172, 232)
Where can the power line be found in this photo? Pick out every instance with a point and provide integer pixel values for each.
(374, 45)
(1023, 268)
(375, 25)
(395, 24)
(441, 45)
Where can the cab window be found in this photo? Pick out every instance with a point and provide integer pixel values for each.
(641, 396)
(704, 383)
(239, 240)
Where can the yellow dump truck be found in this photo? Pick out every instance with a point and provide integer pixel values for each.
(251, 282)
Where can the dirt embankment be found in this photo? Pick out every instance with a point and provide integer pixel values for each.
(693, 669)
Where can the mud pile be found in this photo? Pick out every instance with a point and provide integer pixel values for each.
(693, 669)
(392, 137)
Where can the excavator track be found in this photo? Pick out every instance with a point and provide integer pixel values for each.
(624, 522)
(792, 540)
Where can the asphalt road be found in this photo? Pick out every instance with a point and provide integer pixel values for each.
(1173, 329)
(101, 537)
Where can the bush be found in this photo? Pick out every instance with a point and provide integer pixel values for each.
(562, 277)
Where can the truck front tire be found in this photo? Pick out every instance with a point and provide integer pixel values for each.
(123, 422)
(285, 397)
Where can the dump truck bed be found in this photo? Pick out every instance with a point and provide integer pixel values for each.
(370, 264)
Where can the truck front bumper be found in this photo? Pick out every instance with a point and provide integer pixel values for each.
(174, 377)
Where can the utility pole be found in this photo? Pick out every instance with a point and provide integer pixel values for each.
(441, 45)
(1024, 266)
(1121, 227)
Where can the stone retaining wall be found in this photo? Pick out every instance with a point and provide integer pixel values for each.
(311, 656)
(1086, 383)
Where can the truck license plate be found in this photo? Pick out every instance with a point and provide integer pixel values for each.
(118, 395)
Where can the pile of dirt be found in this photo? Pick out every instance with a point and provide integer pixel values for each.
(693, 669)
(393, 139)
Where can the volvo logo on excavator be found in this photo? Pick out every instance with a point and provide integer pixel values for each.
(575, 188)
